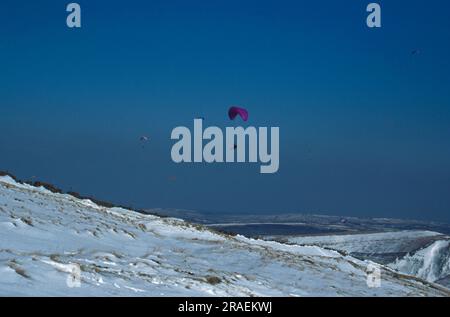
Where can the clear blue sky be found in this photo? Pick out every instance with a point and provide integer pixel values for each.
(364, 124)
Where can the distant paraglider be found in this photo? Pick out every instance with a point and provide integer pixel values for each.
(415, 52)
(144, 139)
(235, 111)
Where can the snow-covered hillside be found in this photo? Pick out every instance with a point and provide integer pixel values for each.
(44, 235)
(425, 254)
(431, 263)
(375, 243)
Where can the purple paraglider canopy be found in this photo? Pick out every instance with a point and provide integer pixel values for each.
(234, 111)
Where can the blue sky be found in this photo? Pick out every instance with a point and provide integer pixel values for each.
(364, 124)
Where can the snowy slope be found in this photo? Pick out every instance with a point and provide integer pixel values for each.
(431, 263)
(124, 253)
(425, 254)
(381, 243)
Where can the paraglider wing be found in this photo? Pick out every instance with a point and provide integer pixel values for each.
(144, 139)
(234, 111)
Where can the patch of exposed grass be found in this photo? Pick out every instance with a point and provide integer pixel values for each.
(213, 280)
(20, 271)
(27, 220)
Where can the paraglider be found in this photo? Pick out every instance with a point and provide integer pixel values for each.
(221, 145)
(144, 139)
(415, 52)
(234, 111)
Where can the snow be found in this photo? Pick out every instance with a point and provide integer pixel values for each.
(424, 254)
(45, 237)
(383, 242)
(431, 263)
